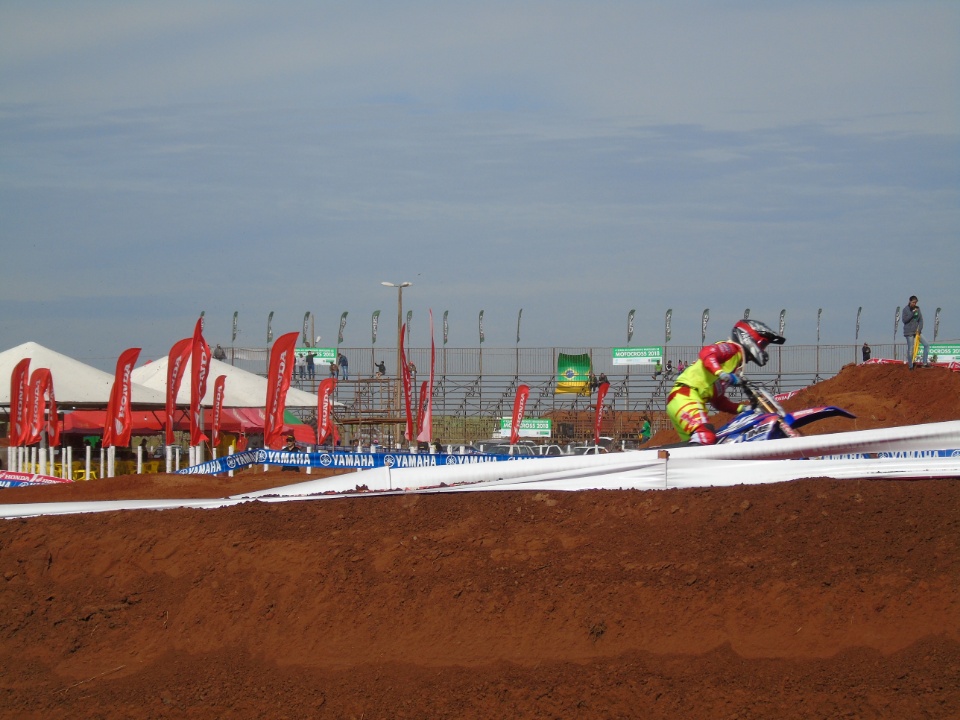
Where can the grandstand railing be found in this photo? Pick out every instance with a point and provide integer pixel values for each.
(475, 387)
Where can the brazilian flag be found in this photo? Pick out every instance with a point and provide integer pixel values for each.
(573, 374)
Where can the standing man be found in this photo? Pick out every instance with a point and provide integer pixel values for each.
(865, 351)
(344, 366)
(912, 329)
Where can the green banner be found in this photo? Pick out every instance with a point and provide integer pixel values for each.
(652, 354)
(573, 374)
(529, 427)
(321, 356)
(944, 352)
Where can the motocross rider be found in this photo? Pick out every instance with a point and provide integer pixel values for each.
(717, 367)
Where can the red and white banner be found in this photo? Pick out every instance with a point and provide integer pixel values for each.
(601, 394)
(421, 408)
(19, 403)
(176, 363)
(278, 382)
(199, 370)
(519, 408)
(116, 429)
(41, 385)
(219, 385)
(425, 417)
(405, 374)
(325, 426)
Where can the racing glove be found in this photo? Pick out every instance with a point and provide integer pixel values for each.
(730, 378)
(744, 407)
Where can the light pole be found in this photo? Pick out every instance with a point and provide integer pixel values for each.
(399, 287)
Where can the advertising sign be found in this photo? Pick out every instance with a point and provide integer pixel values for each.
(321, 356)
(944, 352)
(529, 427)
(638, 355)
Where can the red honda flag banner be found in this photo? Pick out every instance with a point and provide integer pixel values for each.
(199, 370)
(116, 431)
(41, 383)
(405, 374)
(519, 408)
(19, 402)
(278, 382)
(53, 424)
(601, 393)
(176, 363)
(421, 409)
(219, 386)
(425, 423)
(325, 426)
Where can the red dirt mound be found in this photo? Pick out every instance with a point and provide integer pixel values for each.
(810, 599)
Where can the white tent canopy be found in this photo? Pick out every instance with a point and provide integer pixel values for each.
(242, 388)
(74, 383)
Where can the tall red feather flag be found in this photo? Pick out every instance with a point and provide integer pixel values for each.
(176, 364)
(519, 408)
(40, 385)
(199, 370)
(53, 424)
(405, 374)
(325, 427)
(19, 392)
(219, 386)
(421, 409)
(279, 374)
(425, 423)
(601, 394)
(119, 422)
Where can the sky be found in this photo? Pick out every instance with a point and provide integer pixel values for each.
(575, 160)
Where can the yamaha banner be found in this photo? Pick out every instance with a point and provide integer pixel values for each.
(334, 460)
(630, 325)
(666, 325)
(374, 322)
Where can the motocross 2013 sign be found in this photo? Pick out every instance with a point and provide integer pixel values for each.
(322, 356)
(529, 427)
(944, 353)
(638, 355)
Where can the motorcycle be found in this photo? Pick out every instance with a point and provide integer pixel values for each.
(767, 420)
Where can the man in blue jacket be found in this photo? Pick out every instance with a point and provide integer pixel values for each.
(912, 328)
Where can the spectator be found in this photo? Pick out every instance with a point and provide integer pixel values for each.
(602, 379)
(645, 430)
(301, 364)
(334, 370)
(344, 366)
(681, 366)
(865, 351)
(219, 354)
(311, 368)
(291, 446)
(669, 372)
(381, 369)
(912, 328)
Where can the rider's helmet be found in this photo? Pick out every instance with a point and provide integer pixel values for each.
(754, 337)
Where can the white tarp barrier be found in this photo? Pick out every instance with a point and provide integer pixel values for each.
(686, 467)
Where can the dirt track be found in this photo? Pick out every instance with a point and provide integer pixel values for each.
(811, 599)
